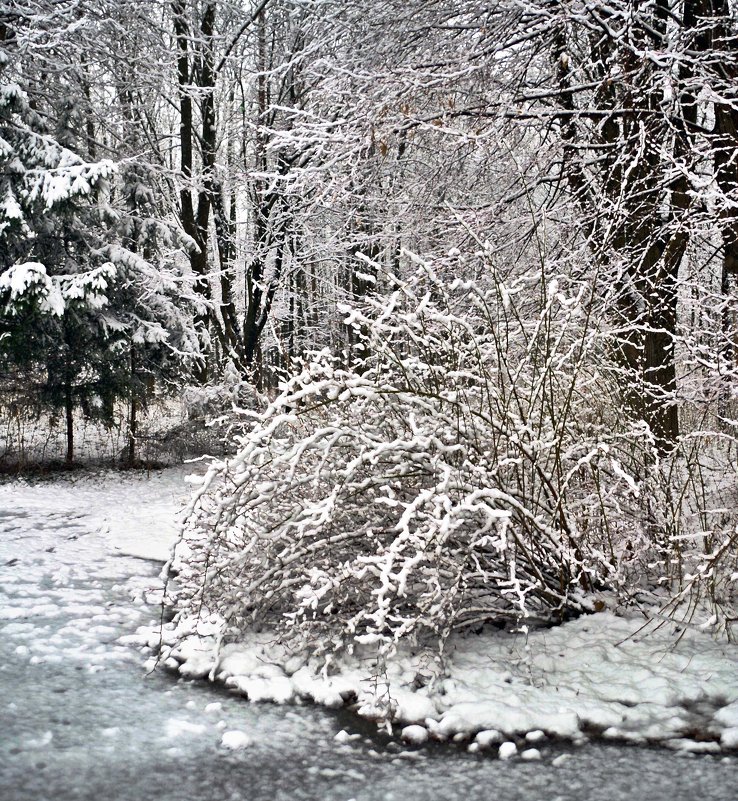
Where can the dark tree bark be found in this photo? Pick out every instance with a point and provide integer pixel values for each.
(637, 201)
(69, 410)
(194, 219)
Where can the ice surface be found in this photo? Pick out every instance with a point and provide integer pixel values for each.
(81, 718)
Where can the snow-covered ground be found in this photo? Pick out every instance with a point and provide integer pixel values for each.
(505, 693)
(137, 512)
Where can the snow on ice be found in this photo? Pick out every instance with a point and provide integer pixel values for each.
(235, 740)
(596, 676)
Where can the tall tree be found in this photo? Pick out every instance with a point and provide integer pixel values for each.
(642, 98)
(74, 294)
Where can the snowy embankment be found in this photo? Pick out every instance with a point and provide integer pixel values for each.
(596, 676)
(600, 675)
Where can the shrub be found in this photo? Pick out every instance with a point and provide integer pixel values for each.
(459, 474)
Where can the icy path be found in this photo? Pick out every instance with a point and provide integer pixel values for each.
(82, 720)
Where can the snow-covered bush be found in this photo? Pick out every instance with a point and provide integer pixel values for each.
(461, 473)
(687, 561)
(208, 424)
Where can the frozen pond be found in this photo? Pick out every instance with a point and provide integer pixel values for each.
(81, 719)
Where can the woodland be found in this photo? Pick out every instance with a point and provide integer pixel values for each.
(452, 283)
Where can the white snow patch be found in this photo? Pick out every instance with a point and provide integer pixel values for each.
(595, 672)
(693, 746)
(413, 707)
(507, 750)
(728, 715)
(277, 689)
(40, 742)
(175, 728)
(487, 738)
(415, 735)
(326, 692)
(344, 737)
(729, 738)
(235, 740)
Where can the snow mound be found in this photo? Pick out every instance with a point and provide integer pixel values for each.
(234, 740)
(597, 675)
(415, 735)
(507, 750)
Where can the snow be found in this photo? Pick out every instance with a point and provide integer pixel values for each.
(277, 689)
(600, 674)
(412, 706)
(415, 735)
(32, 277)
(729, 738)
(487, 738)
(235, 739)
(728, 715)
(344, 737)
(174, 729)
(507, 750)
(40, 742)
(137, 514)
(693, 746)
(20, 277)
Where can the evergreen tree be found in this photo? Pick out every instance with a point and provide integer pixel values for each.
(75, 302)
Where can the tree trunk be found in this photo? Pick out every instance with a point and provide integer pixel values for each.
(195, 224)
(133, 413)
(628, 218)
(69, 417)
